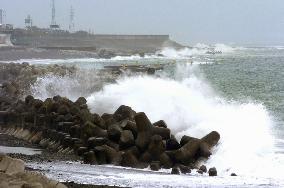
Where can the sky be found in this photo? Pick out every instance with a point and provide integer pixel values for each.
(259, 22)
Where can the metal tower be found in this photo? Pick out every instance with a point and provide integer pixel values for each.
(71, 24)
(1, 16)
(28, 22)
(53, 24)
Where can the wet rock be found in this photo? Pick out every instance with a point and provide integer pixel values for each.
(185, 139)
(82, 150)
(124, 112)
(96, 141)
(199, 171)
(186, 154)
(160, 123)
(175, 170)
(99, 121)
(155, 166)
(129, 125)
(233, 174)
(172, 144)
(156, 147)
(114, 131)
(126, 139)
(203, 168)
(166, 161)
(90, 158)
(129, 160)
(212, 171)
(165, 133)
(146, 157)
(80, 101)
(144, 127)
(184, 169)
(211, 139)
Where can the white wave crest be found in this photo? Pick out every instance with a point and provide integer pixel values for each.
(190, 107)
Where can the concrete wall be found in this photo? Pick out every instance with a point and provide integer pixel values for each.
(5, 40)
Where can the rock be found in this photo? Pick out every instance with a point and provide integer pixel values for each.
(113, 145)
(90, 130)
(29, 99)
(112, 156)
(199, 171)
(175, 170)
(166, 161)
(151, 71)
(11, 166)
(156, 147)
(96, 141)
(165, 133)
(211, 139)
(89, 158)
(126, 139)
(186, 154)
(233, 174)
(212, 171)
(82, 150)
(80, 101)
(203, 168)
(184, 169)
(144, 127)
(99, 121)
(172, 144)
(129, 160)
(146, 157)
(114, 131)
(124, 112)
(134, 150)
(160, 123)
(155, 166)
(106, 116)
(129, 125)
(185, 139)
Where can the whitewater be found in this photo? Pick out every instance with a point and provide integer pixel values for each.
(195, 94)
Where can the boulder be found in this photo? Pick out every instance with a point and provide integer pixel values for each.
(186, 154)
(172, 144)
(99, 121)
(129, 125)
(166, 161)
(203, 168)
(185, 139)
(96, 141)
(81, 151)
(80, 101)
(165, 133)
(144, 129)
(114, 131)
(184, 169)
(160, 123)
(129, 160)
(89, 158)
(212, 171)
(155, 166)
(175, 170)
(211, 139)
(124, 112)
(233, 174)
(126, 139)
(156, 147)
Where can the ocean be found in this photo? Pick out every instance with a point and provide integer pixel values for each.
(239, 93)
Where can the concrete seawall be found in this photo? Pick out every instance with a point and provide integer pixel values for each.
(127, 43)
(5, 40)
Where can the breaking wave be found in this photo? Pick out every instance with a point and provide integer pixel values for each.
(191, 107)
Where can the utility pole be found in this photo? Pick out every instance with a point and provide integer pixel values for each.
(53, 24)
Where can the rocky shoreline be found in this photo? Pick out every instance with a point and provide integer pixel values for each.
(125, 138)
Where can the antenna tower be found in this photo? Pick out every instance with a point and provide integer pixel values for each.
(71, 24)
(53, 24)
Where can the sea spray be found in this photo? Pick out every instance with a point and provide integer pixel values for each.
(191, 107)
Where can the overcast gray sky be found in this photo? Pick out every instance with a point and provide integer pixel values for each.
(187, 21)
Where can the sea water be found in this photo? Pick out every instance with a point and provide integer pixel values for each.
(239, 93)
